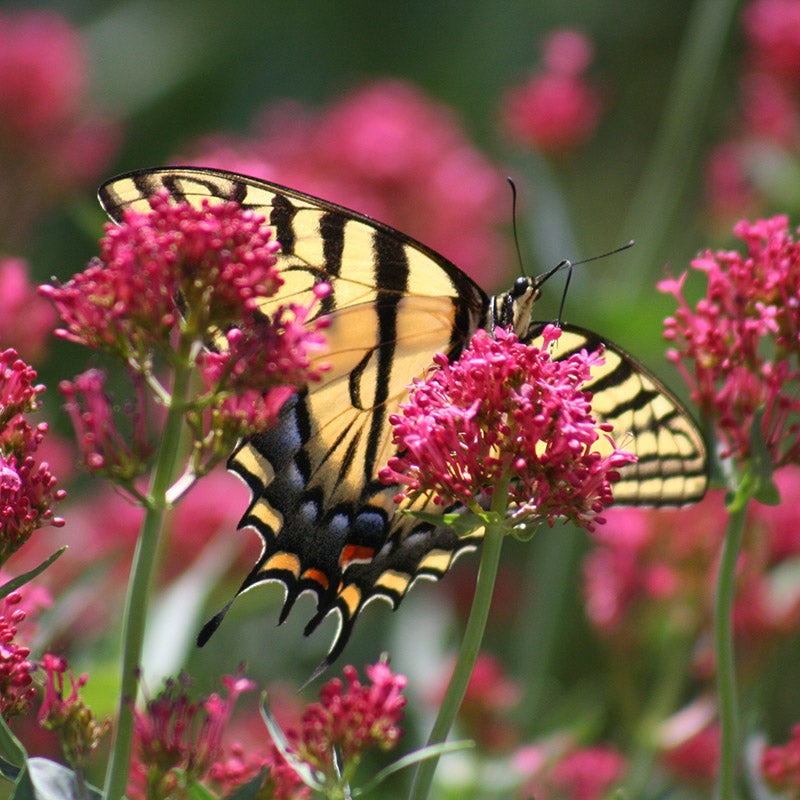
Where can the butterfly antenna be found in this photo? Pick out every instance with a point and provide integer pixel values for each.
(514, 224)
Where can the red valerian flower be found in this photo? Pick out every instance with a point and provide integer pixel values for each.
(177, 265)
(50, 140)
(557, 109)
(780, 766)
(506, 411)
(28, 490)
(772, 28)
(104, 448)
(179, 739)
(77, 728)
(16, 684)
(351, 719)
(739, 348)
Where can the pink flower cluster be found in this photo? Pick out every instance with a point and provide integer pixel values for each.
(739, 347)
(25, 318)
(557, 109)
(27, 487)
(177, 739)
(351, 718)
(216, 262)
(506, 412)
(368, 151)
(105, 448)
(77, 728)
(50, 139)
(765, 138)
(16, 684)
(587, 773)
(780, 766)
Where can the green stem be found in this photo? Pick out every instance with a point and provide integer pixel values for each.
(726, 667)
(140, 582)
(467, 654)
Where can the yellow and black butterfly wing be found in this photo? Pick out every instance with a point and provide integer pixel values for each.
(671, 467)
(328, 525)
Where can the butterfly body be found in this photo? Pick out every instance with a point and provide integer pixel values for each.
(329, 526)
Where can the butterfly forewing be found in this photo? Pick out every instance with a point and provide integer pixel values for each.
(329, 526)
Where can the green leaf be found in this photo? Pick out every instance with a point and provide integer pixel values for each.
(432, 751)
(462, 522)
(249, 790)
(199, 792)
(48, 780)
(21, 580)
(310, 777)
(12, 752)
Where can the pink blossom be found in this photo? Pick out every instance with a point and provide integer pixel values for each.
(177, 739)
(16, 684)
(77, 728)
(588, 774)
(504, 410)
(367, 151)
(772, 28)
(738, 347)
(353, 718)
(28, 489)
(557, 109)
(104, 448)
(50, 137)
(729, 188)
(21, 309)
(780, 766)
(218, 259)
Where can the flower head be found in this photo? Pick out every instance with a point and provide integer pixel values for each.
(16, 684)
(27, 488)
(739, 347)
(50, 139)
(353, 718)
(179, 739)
(69, 716)
(178, 265)
(557, 109)
(780, 766)
(105, 449)
(506, 412)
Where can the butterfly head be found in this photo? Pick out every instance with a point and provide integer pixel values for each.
(514, 308)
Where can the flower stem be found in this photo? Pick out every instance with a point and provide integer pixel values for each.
(467, 654)
(140, 583)
(723, 633)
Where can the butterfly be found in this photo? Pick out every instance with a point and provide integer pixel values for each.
(328, 525)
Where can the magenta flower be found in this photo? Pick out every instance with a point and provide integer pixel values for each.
(772, 29)
(557, 109)
(77, 728)
(104, 448)
(28, 490)
(351, 719)
(176, 266)
(16, 684)
(25, 318)
(738, 348)
(50, 139)
(506, 412)
(179, 739)
(780, 766)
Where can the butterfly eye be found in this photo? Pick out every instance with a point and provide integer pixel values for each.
(521, 285)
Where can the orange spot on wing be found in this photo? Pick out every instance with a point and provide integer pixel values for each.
(355, 552)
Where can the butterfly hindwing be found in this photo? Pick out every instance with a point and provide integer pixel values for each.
(328, 526)
(671, 463)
